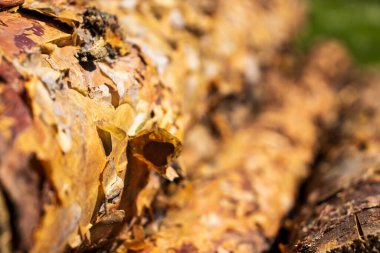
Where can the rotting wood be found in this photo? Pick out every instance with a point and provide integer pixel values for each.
(342, 211)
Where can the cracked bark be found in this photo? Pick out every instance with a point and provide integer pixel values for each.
(342, 212)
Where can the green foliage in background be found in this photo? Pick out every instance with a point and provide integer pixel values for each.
(356, 23)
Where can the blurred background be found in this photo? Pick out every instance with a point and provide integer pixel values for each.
(355, 23)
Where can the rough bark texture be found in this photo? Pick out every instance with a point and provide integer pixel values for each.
(342, 212)
(99, 98)
(72, 91)
(242, 185)
(95, 101)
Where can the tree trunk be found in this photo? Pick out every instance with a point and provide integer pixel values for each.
(99, 98)
(93, 104)
(243, 184)
(342, 212)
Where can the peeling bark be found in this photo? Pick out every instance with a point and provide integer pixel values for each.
(80, 85)
(96, 98)
(237, 196)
